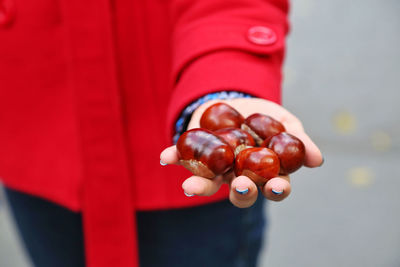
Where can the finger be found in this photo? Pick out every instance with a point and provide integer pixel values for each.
(169, 156)
(200, 186)
(277, 188)
(243, 192)
(313, 154)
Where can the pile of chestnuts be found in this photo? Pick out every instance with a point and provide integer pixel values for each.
(257, 146)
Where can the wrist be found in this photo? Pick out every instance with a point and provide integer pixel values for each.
(185, 117)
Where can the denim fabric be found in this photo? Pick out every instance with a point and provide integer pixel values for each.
(52, 235)
(214, 235)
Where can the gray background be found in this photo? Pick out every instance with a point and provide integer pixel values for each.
(341, 79)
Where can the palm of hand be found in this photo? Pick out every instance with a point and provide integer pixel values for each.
(277, 188)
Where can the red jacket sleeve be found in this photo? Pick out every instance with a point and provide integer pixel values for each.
(226, 45)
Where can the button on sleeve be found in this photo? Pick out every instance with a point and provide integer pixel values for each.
(261, 35)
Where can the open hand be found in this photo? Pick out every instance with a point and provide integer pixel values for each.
(243, 191)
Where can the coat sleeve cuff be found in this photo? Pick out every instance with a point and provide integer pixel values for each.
(257, 75)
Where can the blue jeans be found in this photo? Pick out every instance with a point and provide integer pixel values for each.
(214, 235)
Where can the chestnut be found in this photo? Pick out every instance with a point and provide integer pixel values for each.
(262, 127)
(220, 116)
(237, 138)
(258, 163)
(290, 150)
(204, 154)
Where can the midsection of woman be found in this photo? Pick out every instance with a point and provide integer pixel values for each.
(91, 91)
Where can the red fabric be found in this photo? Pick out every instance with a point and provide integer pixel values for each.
(90, 91)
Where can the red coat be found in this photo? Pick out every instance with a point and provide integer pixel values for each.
(90, 91)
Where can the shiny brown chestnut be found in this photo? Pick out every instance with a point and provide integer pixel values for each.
(219, 116)
(258, 163)
(261, 127)
(237, 138)
(290, 150)
(204, 154)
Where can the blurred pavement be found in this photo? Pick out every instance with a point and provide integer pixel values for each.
(342, 79)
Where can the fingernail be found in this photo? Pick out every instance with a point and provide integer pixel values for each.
(322, 163)
(242, 191)
(162, 163)
(189, 195)
(277, 192)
